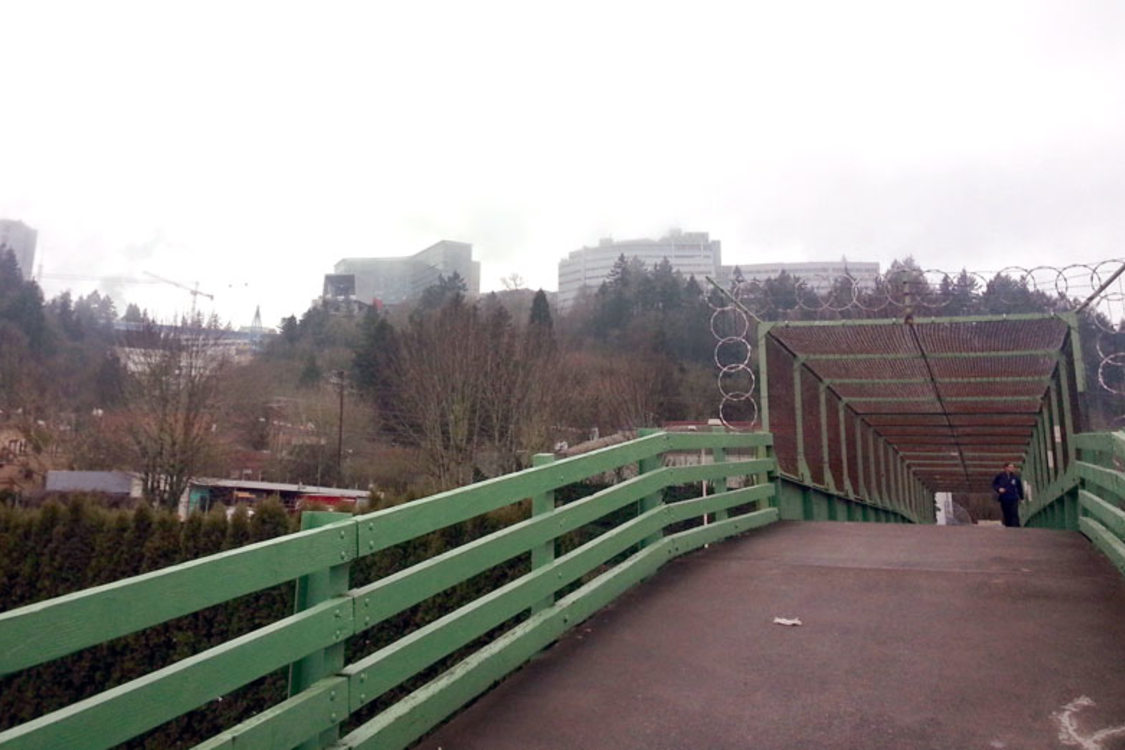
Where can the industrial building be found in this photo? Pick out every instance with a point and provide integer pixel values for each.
(393, 280)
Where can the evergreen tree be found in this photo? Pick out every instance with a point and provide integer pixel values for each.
(540, 317)
(289, 330)
(311, 375)
(374, 360)
(447, 289)
(134, 314)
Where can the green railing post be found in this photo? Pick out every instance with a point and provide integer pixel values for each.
(763, 376)
(1056, 432)
(773, 476)
(1068, 418)
(799, 421)
(544, 554)
(649, 502)
(842, 419)
(825, 463)
(720, 485)
(313, 589)
(860, 464)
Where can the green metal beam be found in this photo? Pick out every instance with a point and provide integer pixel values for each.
(1075, 341)
(908, 399)
(763, 377)
(799, 417)
(865, 356)
(920, 381)
(862, 478)
(1063, 317)
(842, 419)
(1068, 417)
(826, 466)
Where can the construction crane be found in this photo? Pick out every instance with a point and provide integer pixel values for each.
(193, 291)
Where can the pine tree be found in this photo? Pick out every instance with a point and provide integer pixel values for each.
(540, 317)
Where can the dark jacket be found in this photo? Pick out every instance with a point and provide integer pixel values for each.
(1012, 484)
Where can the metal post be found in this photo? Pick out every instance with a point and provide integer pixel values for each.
(312, 589)
(719, 455)
(861, 480)
(763, 377)
(543, 554)
(826, 465)
(1068, 417)
(340, 381)
(841, 418)
(1055, 435)
(651, 501)
(798, 417)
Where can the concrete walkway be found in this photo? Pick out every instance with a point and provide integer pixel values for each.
(913, 637)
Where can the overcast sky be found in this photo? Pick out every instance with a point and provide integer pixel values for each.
(249, 146)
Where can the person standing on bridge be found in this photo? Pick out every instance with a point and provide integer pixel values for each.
(1009, 491)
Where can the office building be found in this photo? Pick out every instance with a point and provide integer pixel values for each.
(392, 280)
(20, 239)
(690, 253)
(818, 275)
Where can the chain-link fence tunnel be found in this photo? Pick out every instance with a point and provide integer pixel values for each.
(890, 412)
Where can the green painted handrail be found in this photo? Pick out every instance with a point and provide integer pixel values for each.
(48, 630)
(1089, 496)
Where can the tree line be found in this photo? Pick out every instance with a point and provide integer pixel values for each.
(435, 394)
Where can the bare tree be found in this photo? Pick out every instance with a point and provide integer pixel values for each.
(472, 392)
(172, 391)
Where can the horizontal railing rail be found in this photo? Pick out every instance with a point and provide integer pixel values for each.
(637, 532)
(1090, 496)
(801, 500)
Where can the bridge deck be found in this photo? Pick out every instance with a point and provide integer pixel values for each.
(913, 637)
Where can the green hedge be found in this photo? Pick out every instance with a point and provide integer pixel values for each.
(64, 547)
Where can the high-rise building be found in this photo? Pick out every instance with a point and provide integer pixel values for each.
(20, 239)
(392, 280)
(818, 275)
(690, 253)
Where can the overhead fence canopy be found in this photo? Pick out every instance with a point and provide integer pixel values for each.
(875, 407)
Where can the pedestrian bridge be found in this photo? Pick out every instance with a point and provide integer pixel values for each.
(660, 580)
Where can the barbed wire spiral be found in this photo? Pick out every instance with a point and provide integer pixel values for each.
(1096, 288)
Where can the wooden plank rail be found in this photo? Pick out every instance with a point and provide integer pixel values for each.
(48, 630)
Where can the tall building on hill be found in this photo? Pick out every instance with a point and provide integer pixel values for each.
(690, 253)
(818, 275)
(20, 239)
(392, 280)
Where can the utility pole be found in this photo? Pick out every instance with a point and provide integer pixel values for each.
(340, 381)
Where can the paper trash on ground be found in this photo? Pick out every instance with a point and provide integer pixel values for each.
(794, 621)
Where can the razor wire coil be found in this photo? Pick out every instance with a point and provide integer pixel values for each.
(910, 291)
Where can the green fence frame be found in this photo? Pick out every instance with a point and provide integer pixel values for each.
(1088, 496)
(325, 691)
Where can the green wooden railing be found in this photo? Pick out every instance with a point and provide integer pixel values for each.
(1089, 495)
(801, 500)
(556, 593)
